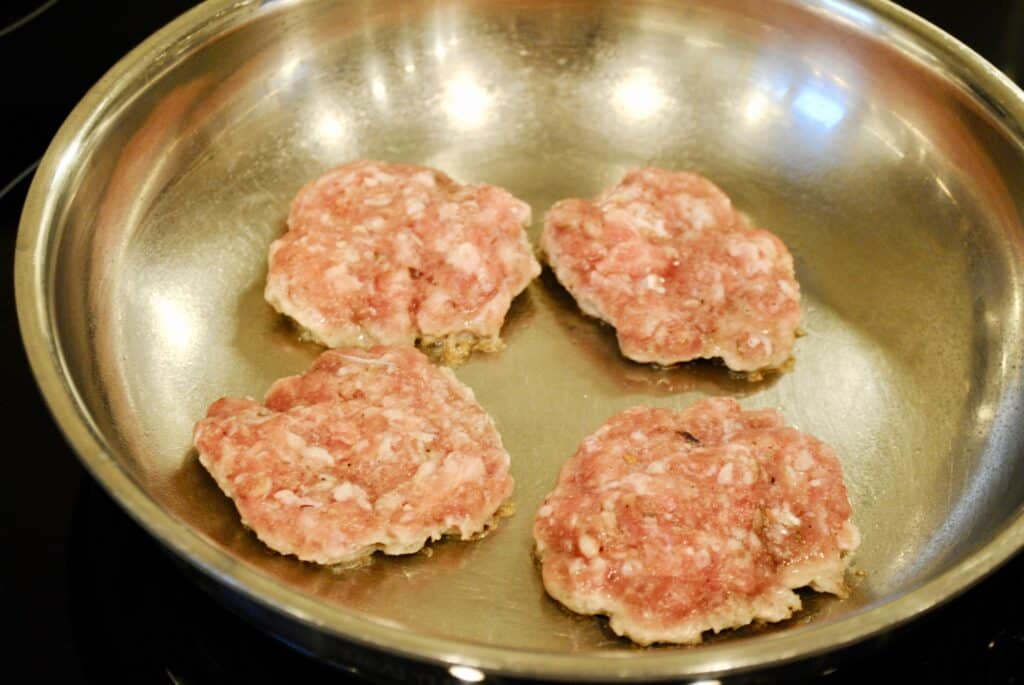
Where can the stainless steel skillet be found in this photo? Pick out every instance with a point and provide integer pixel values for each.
(888, 156)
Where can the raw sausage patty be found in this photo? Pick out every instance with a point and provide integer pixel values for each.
(676, 522)
(665, 259)
(392, 254)
(368, 450)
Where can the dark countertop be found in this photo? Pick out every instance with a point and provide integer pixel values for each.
(96, 600)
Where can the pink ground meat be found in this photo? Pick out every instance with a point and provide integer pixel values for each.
(673, 523)
(379, 253)
(665, 259)
(368, 450)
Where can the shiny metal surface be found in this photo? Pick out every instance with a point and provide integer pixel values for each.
(887, 156)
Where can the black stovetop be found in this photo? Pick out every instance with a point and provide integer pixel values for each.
(95, 600)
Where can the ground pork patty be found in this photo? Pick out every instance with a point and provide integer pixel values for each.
(665, 259)
(676, 522)
(379, 253)
(368, 450)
